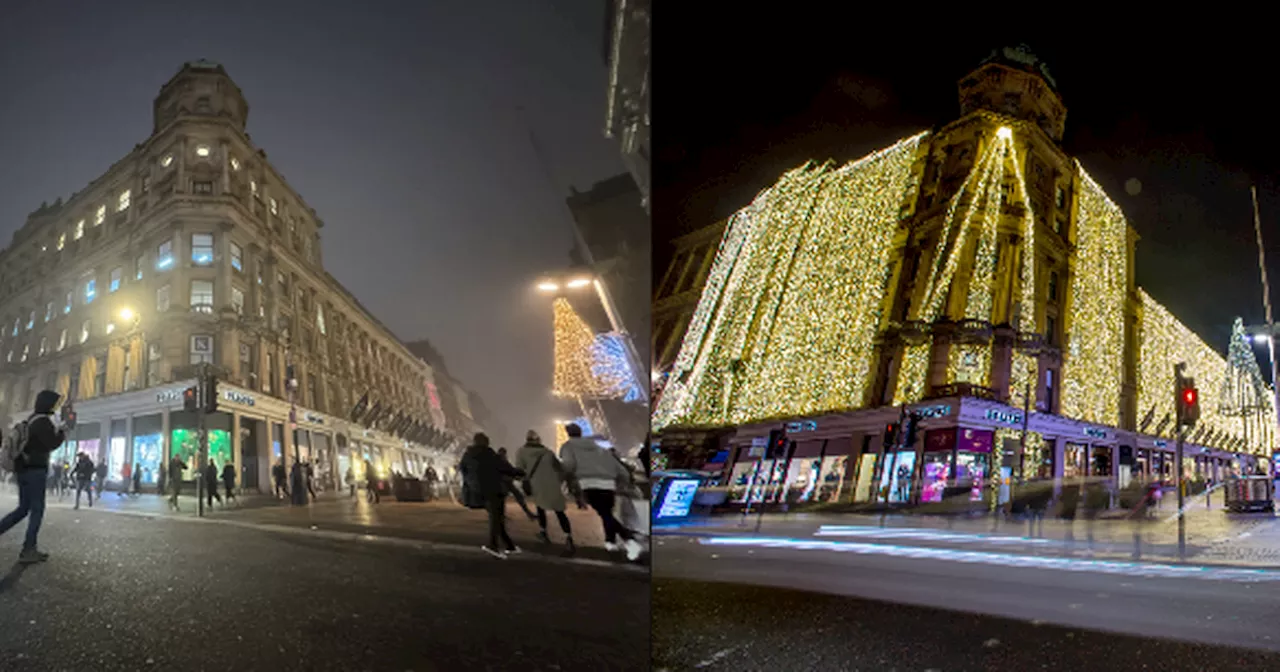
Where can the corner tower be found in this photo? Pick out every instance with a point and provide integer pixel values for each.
(200, 89)
(1014, 82)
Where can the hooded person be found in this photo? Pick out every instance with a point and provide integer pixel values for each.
(598, 473)
(544, 481)
(42, 437)
(483, 488)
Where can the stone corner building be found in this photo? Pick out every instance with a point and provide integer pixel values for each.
(194, 249)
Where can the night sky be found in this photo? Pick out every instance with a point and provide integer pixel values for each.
(398, 122)
(1191, 120)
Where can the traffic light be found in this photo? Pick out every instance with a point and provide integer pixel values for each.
(777, 448)
(909, 437)
(189, 401)
(891, 436)
(210, 394)
(1188, 402)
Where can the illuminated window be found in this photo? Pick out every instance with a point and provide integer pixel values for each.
(44, 344)
(275, 208)
(235, 163)
(253, 187)
(202, 248)
(124, 200)
(62, 241)
(164, 255)
(146, 183)
(166, 161)
(31, 320)
(162, 299)
(117, 275)
(202, 151)
(26, 350)
(84, 330)
(62, 340)
(202, 296)
(66, 308)
(237, 300)
(111, 326)
(320, 319)
(101, 215)
(237, 254)
(48, 312)
(77, 235)
(90, 290)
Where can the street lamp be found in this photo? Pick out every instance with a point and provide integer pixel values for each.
(551, 286)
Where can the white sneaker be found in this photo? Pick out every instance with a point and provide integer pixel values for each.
(494, 552)
(515, 551)
(610, 546)
(634, 549)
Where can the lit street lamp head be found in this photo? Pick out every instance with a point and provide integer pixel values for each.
(126, 314)
(579, 282)
(548, 286)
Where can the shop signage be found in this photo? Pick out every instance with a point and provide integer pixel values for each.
(1095, 433)
(939, 411)
(169, 396)
(802, 426)
(975, 441)
(940, 440)
(760, 441)
(311, 418)
(238, 397)
(1006, 417)
(1162, 444)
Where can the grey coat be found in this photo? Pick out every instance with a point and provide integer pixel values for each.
(547, 479)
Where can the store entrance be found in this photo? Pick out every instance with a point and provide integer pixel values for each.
(250, 429)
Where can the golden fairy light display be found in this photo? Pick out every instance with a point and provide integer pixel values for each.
(1093, 365)
(574, 348)
(788, 319)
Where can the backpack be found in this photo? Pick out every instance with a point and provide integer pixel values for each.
(14, 445)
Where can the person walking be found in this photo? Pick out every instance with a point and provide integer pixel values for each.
(544, 482)
(278, 475)
(229, 482)
(430, 478)
(310, 472)
(350, 479)
(35, 438)
(509, 484)
(210, 476)
(126, 477)
(483, 488)
(160, 483)
(371, 483)
(176, 467)
(101, 478)
(84, 478)
(137, 480)
(598, 472)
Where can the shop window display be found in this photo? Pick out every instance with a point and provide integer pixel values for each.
(937, 471)
(1073, 461)
(186, 445)
(146, 456)
(896, 479)
(115, 465)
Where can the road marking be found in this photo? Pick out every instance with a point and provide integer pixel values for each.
(1148, 570)
(715, 658)
(915, 533)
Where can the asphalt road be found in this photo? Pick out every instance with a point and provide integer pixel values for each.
(1230, 607)
(712, 626)
(130, 593)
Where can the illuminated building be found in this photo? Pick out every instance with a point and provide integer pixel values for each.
(627, 108)
(949, 274)
(194, 249)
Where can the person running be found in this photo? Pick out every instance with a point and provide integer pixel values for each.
(83, 473)
(176, 467)
(211, 484)
(229, 482)
(430, 478)
(544, 480)
(126, 477)
(483, 472)
(278, 475)
(509, 484)
(371, 483)
(38, 436)
(598, 472)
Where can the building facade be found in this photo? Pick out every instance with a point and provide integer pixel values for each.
(193, 249)
(975, 275)
(677, 294)
(627, 109)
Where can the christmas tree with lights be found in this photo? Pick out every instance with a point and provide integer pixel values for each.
(1244, 392)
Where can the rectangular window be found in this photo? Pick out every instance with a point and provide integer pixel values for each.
(275, 207)
(62, 241)
(237, 300)
(66, 308)
(31, 320)
(237, 261)
(202, 187)
(153, 364)
(44, 344)
(202, 248)
(117, 275)
(146, 183)
(84, 330)
(202, 296)
(26, 350)
(137, 274)
(78, 233)
(125, 197)
(164, 255)
(201, 349)
(101, 215)
(162, 299)
(253, 188)
(62, 340)
(90, 290)
(1060, 197)
(99, 375)
(320, 319)
(48, 312)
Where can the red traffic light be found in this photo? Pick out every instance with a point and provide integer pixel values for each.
(1189, 396)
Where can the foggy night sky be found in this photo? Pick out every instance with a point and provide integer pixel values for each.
(396, 121)
(1183, 117)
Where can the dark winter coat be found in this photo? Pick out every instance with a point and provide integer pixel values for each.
(483, 475)
(43, 436)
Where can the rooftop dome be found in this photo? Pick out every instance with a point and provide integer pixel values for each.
(1022, 58)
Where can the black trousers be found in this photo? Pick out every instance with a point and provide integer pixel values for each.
(496, 506)
(602, 502)
(563, 520)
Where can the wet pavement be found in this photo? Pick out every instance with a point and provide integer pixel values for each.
(131, 592)
(713, 626)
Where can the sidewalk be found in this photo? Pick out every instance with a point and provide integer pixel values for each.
(1212, 536)
(439, 521)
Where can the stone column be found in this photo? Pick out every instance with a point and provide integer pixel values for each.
(1002, 360)
(128, 446)
(225, 181)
